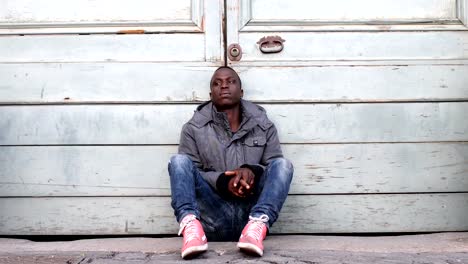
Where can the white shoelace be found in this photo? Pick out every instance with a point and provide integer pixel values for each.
(191, 230)
(256, 226)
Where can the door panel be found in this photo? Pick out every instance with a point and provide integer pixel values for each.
(351, 11)
(369, 97)
(88, 11)
(55, 16)
(343, 15)
(105, 57)
(338, 65)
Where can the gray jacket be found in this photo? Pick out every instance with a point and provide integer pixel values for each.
(207, 139)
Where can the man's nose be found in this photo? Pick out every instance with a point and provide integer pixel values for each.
(224, 84)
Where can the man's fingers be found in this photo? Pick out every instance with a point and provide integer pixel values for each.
(236, 179)
(230, 173)
(248, 176)
(244, 184)
(251, 179)
(234, 191)
(244, 177)
(237, 194)
(233, 173)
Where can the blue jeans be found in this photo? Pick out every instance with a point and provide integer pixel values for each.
(223, 219)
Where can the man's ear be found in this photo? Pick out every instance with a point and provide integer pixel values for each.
(210, 95)
(242, 93)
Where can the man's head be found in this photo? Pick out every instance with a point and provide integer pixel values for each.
(225, 88)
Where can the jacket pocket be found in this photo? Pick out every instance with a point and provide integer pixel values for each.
(255, 141)
(253, 149)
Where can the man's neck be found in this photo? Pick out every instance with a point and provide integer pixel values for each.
(233, 116)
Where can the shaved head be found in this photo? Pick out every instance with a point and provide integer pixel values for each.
(229, 68)
(225, 89)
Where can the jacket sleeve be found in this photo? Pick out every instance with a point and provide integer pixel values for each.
(188, 146)
(272, 151)
(273, 146)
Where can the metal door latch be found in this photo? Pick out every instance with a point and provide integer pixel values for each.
(271, 44)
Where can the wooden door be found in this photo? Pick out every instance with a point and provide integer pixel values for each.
(93, 96)
(370, 98)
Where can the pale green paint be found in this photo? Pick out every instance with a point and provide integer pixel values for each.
(384, 143)
(301, 214)
(296, 123)
(142, 170)
(154, 82)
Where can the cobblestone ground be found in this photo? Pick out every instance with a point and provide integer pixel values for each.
(311, 257)
(442, 248)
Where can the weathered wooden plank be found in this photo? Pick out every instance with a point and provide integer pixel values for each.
(374, 213)
(301, 214)
(379, 168)
(142, 170)
(149, 82)
(98, 82)
(372, 46)
(102, 48)
(352, 11)
(298, 123)
(85, 171)
(87, 215)
(355, 83)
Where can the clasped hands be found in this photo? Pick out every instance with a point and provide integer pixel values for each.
(241, 183)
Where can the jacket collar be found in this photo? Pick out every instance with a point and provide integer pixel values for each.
(252, 115)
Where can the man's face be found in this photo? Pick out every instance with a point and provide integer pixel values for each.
(225, 89)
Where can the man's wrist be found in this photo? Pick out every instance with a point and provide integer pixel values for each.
(222, 184)
(257, 170)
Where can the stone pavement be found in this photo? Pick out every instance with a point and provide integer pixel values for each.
(447, 248)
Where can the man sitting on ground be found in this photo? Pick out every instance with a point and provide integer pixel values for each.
(229, 179)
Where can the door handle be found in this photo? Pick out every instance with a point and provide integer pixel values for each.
(271, 44)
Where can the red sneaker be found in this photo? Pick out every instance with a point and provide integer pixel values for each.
(194, 237)
(251, 239)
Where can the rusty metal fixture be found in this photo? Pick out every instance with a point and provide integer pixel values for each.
(235, 52)
(271, 44)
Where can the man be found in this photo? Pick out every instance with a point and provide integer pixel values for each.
(229, 179)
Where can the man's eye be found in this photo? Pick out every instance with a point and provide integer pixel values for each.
(216, 83)
(232, 82)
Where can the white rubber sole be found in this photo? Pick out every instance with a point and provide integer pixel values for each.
(250, 249)
(192, 251)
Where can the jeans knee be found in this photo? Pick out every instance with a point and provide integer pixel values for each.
(284, 168)
(179, 160)
(282, 163)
